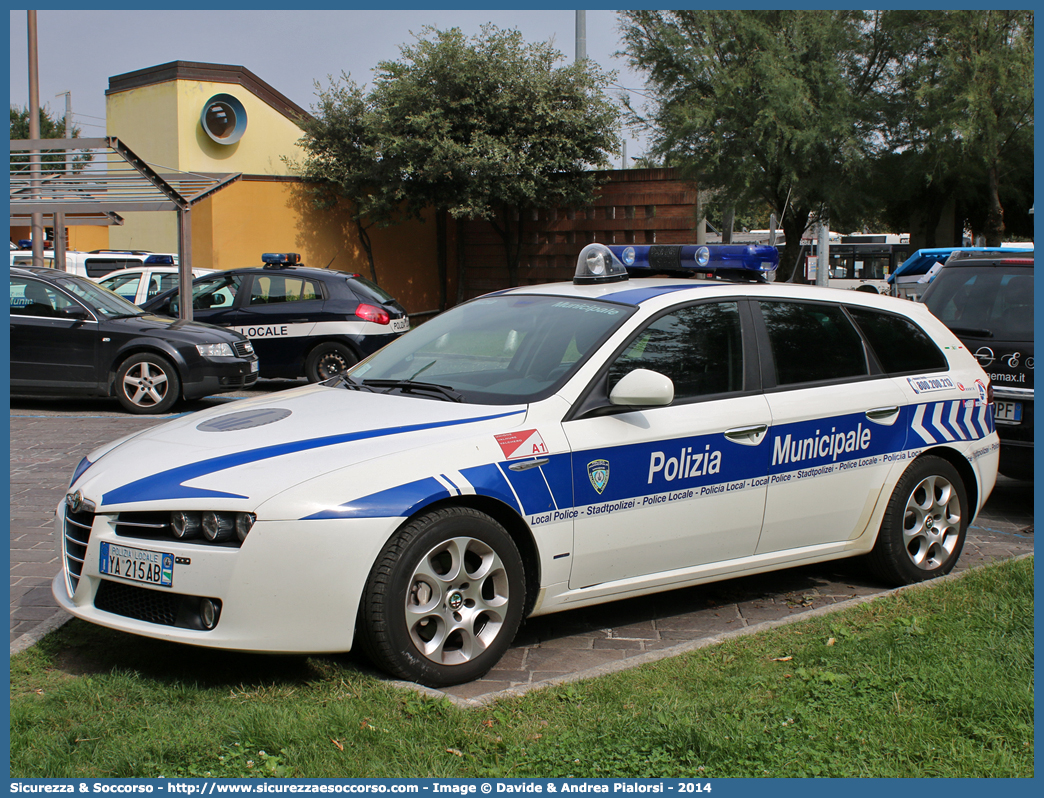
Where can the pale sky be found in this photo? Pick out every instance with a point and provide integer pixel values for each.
(80, 50)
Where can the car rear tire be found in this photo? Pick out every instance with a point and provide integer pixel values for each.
(147, 383)
(925, 524)
(328, 360)
(444, 599)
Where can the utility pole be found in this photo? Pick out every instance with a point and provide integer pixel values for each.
(581, 36)
(823, 260)
(68, 112)
(34, 133)
(60, 243)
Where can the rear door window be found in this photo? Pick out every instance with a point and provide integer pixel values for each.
(900, 345)
(812, 342)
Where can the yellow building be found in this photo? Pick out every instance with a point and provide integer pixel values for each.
(213, 118)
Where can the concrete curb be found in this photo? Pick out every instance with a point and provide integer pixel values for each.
(685, 648)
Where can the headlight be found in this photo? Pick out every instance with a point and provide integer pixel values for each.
(215, 350)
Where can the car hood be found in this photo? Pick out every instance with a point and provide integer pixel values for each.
(194, 332)
(240, 454)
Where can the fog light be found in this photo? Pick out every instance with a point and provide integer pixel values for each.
(218, 527)
(185, 525)
(244, 521)
(208, 613)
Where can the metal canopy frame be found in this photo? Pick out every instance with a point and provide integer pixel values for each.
(94, 180)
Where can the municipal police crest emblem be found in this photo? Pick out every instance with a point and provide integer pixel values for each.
(598, 471)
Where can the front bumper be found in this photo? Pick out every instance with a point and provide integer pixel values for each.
(218, 375)
(292, 587)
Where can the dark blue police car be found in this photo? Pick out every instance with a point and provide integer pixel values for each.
(302, 322)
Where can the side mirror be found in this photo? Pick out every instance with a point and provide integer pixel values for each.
(643, 388)
(76, 314)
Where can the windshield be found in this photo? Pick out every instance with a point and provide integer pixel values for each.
(498, 350)
(103, 301)
(984, 301)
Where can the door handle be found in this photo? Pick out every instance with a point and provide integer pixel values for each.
(297, 321)
(883, 415)
(528, 464)
(748, 436)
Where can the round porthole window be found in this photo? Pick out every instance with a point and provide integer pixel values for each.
(224, 118)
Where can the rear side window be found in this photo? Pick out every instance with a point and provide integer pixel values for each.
(900, 345)
(97, 267)
(812, 342)
(369, 292)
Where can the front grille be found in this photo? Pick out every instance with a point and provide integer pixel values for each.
(77, 535)
(243, 348)
(129, 601)
(160, 607)
(238, 382)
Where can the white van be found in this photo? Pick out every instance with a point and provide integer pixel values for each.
(99, 262)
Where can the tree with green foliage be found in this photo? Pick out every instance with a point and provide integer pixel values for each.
(488, 127)
(963, 122)
(765, 107)
(50, 128)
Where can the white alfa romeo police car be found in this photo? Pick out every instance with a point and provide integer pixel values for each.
(540, 449)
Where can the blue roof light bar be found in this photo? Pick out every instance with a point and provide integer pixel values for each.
(700, 258)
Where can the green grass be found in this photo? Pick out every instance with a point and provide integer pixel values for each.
(932, 682)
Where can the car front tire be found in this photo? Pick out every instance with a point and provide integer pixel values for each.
(925, 524)
(444, 599)
(147, 383)
(328, 360)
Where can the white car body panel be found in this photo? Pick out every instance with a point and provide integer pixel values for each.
(331, 474)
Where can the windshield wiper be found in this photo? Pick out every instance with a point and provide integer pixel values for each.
(409, 386)
(342, 381)
(127, 315)
(972, 332)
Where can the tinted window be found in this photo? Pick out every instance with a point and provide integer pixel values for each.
(900, 345)
(812, 343)
(984, 300)
(370, 292)
(96, 267)
(33, 298)
(699, 347)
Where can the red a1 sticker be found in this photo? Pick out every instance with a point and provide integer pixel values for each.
(525, 443)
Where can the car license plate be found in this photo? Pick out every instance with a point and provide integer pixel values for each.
(253, 366)
(400, 325)
(138, 565)
(1008, 412)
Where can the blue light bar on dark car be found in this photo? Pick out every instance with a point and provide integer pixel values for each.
(699, 258)
(281, 258)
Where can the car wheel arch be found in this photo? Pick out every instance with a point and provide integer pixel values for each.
(964, 469)
(139, 347)
(508, 518)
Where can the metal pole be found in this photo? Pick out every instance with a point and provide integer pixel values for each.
(184, 264)
(59, 242)
(581, 36)
(68, 113)
(36, 222)
(823, 261)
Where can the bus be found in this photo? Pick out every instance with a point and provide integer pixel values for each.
(861, 261)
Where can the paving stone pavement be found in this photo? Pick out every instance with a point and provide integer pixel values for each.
(46, 445)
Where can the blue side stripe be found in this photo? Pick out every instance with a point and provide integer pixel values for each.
(487, 480)
(401, 500)
(635, 296)
(170, 484)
